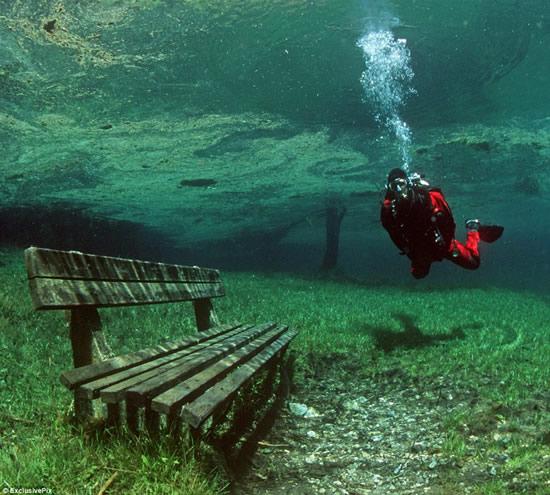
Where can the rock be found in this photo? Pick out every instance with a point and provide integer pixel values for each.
(355, 404)
(377, 479)
(503, 458)
(311, 434)
(302, 410)
(310, 459)
(198, 182)
(49, 26)
(297, 409)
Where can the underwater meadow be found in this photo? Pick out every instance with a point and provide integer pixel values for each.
(406, 391)
(224, 134)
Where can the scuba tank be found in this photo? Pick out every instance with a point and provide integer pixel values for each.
(422, 188)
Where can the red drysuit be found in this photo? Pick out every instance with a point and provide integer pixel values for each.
(423, 228)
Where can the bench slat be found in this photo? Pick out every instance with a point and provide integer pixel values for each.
(188, 390)
(160, 383)
(66, 294)
(201, 408)
(50, 263)
(156, 382)
(141, 371)
(78, 376)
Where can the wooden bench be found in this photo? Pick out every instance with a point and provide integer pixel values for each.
(190, 378)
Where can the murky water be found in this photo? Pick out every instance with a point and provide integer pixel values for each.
(213, 125)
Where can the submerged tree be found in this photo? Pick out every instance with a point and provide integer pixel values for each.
(334, 214)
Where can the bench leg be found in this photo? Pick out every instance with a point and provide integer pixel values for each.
(83, 408)
(132, 417)
(113, 415)
(269, 380)
(205, 315)
(152, 421)
(196, 435)
(87, 339)
(286, 371)
(174, 423)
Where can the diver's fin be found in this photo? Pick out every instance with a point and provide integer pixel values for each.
(490, 233)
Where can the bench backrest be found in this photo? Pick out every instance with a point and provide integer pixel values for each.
(71, 279)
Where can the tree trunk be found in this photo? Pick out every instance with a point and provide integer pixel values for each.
(334, 217)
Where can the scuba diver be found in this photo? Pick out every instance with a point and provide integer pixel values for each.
(420, 223)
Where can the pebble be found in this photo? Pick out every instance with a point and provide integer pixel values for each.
(356, 404)
(302, 410)
(397, 450)
(297, 409)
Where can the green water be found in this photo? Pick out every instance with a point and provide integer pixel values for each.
(216, 133)
(217, 124)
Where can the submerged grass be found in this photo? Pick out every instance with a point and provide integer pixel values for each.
(491, 344)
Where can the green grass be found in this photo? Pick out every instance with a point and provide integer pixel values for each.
(491, 344)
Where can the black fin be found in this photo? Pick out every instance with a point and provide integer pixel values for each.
(490, 233)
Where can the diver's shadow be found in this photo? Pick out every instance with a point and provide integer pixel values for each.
(387, 340)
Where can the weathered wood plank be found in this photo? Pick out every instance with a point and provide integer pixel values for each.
(201, 408)
(152, 383)
(49, 293)
(50, 263)
(142, 371)
(196, 384)
(76, 377)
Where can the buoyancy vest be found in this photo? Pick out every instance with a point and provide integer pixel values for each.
(427, 227)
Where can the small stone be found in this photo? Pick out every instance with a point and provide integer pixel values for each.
(302, 410)
(418, 447)
(311, 434)
(297, 409)
(50, 25)
(355, 404)
(197, 182)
